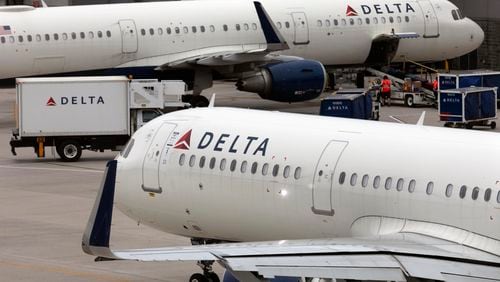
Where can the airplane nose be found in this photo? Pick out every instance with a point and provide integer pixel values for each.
(477, 34)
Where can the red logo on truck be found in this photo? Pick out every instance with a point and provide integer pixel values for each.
(51, 102)
(184, 142)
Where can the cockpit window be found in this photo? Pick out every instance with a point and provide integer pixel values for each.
(455, 15)
(460, 15)
(128, 148)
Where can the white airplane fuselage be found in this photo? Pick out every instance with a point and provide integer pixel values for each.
(148, 35)
(200, 173)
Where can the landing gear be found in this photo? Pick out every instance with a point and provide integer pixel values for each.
(208, 274)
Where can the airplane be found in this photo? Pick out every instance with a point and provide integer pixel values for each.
(308, 196)
(278, 49)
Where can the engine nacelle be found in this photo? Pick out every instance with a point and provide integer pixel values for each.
(293, 81)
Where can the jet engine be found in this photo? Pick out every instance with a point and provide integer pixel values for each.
(293, 81)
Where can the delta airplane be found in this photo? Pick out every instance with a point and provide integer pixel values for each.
(311, 197)
(278, 49)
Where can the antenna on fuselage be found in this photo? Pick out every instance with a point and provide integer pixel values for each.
(212, 101)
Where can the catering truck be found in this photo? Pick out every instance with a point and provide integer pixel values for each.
(87, 113)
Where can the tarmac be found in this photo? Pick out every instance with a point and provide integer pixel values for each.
(45, 204)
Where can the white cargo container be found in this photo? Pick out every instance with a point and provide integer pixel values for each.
(94, 113)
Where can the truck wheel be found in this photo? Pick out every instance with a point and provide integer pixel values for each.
(469, 125)
(493, 125)
(409, 102)
(199, 101)
(69, 150)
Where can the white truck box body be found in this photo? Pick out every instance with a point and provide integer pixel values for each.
(73, 106)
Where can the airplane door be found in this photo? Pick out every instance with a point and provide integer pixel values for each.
(301, 28)
(151, 165)
(129, 36)
(430, 19)
(325, 176)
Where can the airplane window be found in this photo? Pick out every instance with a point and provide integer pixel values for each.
(82, 35)
(99, 34)
(335, 22)
(327, 23)
(30, 38)
(224, 27)
(430, 188)
(143, 32)
(65, 36)
(351, 21)
(169, 30)
(344, 22)
(254, 167)
(151, 31)
(463, 191)
(367, 20)
(449, 190)
(2, 39)
(108, 33)
(202, 162)
(400, 184)
(341, 177)
(160, 31)
(91, 34)
(212, 163)
(391, 19)
(376, 182)
(246, 27)
(128, 148)
(12, 39)
(254, 26)
(475, 193)
(73, 35)
(375, 20)
(243, 167)
(265, 169)
(47, 37)
(20, 38)
(212, 28)
(222, 165)
(320, 24)
(38, 37)
(56, 36)
(182, 159)
(232, 167)
(360, 21)
(498, 197)
(287, 24)
(193, 28)
(399, 19)
(487, 195)
(202, 28)
(286, 171)
(297, 173)
(407, 19)
(382, 20)
(412, 185)
(276, 170)
(354, 179)
(364, 181)
(238, 27)
(192, 160)
(388, 183)
(177, 30)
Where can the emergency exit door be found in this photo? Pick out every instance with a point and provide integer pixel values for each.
(129, 36)
(301, 29)
(151, 165)
(430, 19)
(324, 178)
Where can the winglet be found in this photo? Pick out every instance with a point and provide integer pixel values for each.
(95, 240)
(212, 101)
(275, 41)
(421, 120)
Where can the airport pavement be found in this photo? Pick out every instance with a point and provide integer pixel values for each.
(45, 204)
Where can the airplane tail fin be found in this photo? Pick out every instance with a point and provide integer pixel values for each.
(95, 240)
(275, 41)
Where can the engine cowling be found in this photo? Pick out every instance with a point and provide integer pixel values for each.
(293, 81)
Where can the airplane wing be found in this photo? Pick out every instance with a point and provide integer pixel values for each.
(396, 257)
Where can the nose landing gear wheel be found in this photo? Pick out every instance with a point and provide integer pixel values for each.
(209, 277)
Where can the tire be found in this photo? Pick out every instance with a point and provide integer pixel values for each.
(468, 125)
(199, 101)
(198, 277)
(212, 277)
(493, 125)
(409, 102)
(69, 150)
